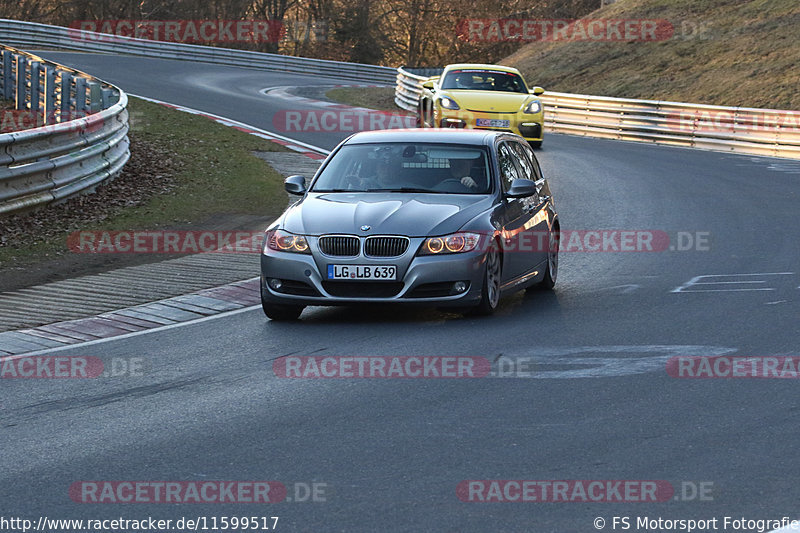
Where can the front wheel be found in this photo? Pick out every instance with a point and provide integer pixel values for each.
(551, 270)
(490, 295)
(280, 311)
(535, 144)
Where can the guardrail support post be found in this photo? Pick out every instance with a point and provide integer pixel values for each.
(66, 97)
(106, 97)
(22, 79)
(95, 97)
(80, 97)
(36, 90)
(8, 74)
(50, 75)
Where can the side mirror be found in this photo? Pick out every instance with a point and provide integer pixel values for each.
(537, 90)
(428, 85)
(522, 188)
(295, 185)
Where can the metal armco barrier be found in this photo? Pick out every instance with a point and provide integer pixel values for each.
(409, 86)
(743, 130)
(65, 155)
(30, 34)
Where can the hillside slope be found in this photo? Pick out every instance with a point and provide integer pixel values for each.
(725, 52)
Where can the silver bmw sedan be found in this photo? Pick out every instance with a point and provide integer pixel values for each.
(445, 218)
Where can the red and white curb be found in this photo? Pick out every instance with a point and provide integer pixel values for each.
(309, 150)
(241, 295)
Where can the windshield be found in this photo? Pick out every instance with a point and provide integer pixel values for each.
(484, 80)
(404, 167)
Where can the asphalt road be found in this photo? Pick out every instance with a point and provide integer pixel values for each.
(597, 404)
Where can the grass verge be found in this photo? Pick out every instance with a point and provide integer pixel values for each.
(381, 98)
(185, 172)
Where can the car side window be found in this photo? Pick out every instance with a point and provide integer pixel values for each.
(524, 161)
(537, 170)
(508, 170)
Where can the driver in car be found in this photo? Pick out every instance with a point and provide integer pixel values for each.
(460, 170)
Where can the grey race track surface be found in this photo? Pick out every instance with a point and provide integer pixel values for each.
(228, 91)
(392, 452)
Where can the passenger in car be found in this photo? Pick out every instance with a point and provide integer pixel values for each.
(384, 176)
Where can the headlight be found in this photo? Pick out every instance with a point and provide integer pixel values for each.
(448, 103)
(533, 107)
(282, 241)
(450, 244)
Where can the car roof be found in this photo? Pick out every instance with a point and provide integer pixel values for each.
(481, 66)
(427, 135)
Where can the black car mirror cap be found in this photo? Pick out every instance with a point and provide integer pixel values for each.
(295, 185)
(522, 188)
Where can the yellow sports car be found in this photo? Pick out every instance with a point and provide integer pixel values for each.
(488, 97)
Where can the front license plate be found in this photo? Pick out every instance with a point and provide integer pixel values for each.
(493, 123)
(363, 272)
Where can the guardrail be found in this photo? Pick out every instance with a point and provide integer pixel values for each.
(742, 130)
(409, 86)
(65, 155)
(31, 34)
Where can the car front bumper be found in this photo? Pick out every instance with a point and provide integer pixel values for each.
(528, 126)
(420, 279)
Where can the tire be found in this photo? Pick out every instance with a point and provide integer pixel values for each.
(278, 311)
(551, 270)
(490, 293)
(536, 144)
